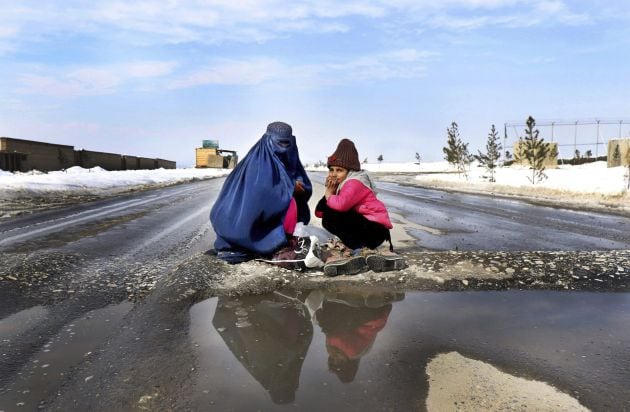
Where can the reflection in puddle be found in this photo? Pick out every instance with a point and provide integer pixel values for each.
(276, 337)
(350, 321)
(74, 343)
(269, 335)
(367, 349)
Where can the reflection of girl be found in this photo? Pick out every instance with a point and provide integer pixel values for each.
(350, 333)
(262, 199)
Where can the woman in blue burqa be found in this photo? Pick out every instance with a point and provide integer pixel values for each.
(262, 199)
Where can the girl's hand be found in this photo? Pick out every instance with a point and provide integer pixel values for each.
(331, 181)
(331, 186)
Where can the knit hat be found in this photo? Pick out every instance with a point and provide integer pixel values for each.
(345, 156)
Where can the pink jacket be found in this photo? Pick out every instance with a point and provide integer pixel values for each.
(355, 195)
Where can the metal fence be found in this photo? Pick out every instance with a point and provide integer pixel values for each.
(585, 135)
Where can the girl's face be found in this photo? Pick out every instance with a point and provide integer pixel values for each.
(337, 174)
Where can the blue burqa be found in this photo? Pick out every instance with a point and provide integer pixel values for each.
(249, 213)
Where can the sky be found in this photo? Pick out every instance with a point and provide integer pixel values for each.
(155, 78)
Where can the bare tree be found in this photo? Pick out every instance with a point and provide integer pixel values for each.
(380, 158)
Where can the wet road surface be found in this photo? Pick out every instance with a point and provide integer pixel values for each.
(470, 222)
(348, 349)
(97, 301)
(76, 270)
(441, 220)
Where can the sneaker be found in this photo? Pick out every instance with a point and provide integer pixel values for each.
(349, 266)
(309, 251)
(385, 263)
(300, 254)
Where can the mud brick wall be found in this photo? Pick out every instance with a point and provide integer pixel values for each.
(146, 163)
(130, 162)
(39, 155)
(108, 161)
(26, 155)
(166, 164)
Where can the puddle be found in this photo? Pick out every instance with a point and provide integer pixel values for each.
(47, 368)
(382, 350)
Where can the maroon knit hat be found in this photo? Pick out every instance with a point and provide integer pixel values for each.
(345, 156)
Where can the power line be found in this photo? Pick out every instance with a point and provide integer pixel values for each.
(564, 122)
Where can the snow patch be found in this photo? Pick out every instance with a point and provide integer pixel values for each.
(95, 181)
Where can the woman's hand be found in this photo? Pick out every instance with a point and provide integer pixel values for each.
(299, 188)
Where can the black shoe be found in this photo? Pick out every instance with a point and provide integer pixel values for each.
(380, 263)
(349, 266)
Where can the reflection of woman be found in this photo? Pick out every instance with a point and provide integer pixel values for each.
(262, 199)
(270, 336)
(351, 321)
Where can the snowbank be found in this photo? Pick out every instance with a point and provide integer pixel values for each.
(589, 186)
(96, 181)
(587, 178)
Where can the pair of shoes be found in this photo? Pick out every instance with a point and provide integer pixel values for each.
(309, 252)
(385, 263)
(348, 266)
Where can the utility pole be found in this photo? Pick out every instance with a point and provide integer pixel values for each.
(597, 141)
(575, 138)
(505, 140)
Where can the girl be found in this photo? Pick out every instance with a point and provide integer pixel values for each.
(351, 211)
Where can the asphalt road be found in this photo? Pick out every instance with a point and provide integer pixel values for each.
(94, 310)
(449, 221)
(83, 265)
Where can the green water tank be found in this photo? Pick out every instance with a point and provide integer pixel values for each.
(210, 144)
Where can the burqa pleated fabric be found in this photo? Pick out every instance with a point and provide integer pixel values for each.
(249, 213)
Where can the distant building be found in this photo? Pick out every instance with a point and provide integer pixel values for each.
(24, 155)
(209, 155)
(618, 152)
